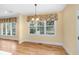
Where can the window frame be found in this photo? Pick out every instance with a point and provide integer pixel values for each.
(44, 29)
(6, 29)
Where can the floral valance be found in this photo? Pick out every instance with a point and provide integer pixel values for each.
(13, 19)
(44, 17)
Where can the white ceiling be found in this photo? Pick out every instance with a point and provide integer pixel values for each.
(9, 10)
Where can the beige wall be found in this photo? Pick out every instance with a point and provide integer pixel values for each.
(69, 22)
(56, 39)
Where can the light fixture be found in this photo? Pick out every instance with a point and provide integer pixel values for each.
(35, 16)
(32, 19)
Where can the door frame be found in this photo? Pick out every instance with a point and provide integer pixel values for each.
(77, 14)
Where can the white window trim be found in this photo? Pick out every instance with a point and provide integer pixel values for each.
(6, 33)
(44, 30)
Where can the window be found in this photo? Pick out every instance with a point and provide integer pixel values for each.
(42, 27)
(32, 27)
(8, 28)
(4, 28)
(13, 28)
(50, 27)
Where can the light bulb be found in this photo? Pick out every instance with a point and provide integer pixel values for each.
(37, 19)
(32, 19)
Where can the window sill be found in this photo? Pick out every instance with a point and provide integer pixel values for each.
(8, 35)
(41, 35)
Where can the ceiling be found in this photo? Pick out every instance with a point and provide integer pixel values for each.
(11, 10)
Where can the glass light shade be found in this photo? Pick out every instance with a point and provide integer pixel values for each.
(37, 19)
(32, 19)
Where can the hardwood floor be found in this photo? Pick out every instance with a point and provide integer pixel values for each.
(28, 48)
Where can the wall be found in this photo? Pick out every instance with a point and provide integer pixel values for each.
(69, 22)
(56, 39)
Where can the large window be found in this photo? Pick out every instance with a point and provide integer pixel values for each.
(8, 28)
(42, 27)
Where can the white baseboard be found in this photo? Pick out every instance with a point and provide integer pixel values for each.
(66, 50)
(45, 42)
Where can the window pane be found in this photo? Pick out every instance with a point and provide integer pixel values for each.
(13, 28)
(50, 27)
(13, 31)
(49, 30)
(40, 24)
(32, 30)
(13, 25)
(4, 28)
(32, 27)
(40, 30)
(32, 24)
(49, 23)
(40, 27)
(8, 29)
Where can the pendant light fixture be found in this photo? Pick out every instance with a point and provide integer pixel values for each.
(35, 16)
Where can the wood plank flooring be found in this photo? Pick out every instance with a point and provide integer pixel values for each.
(28, 48)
